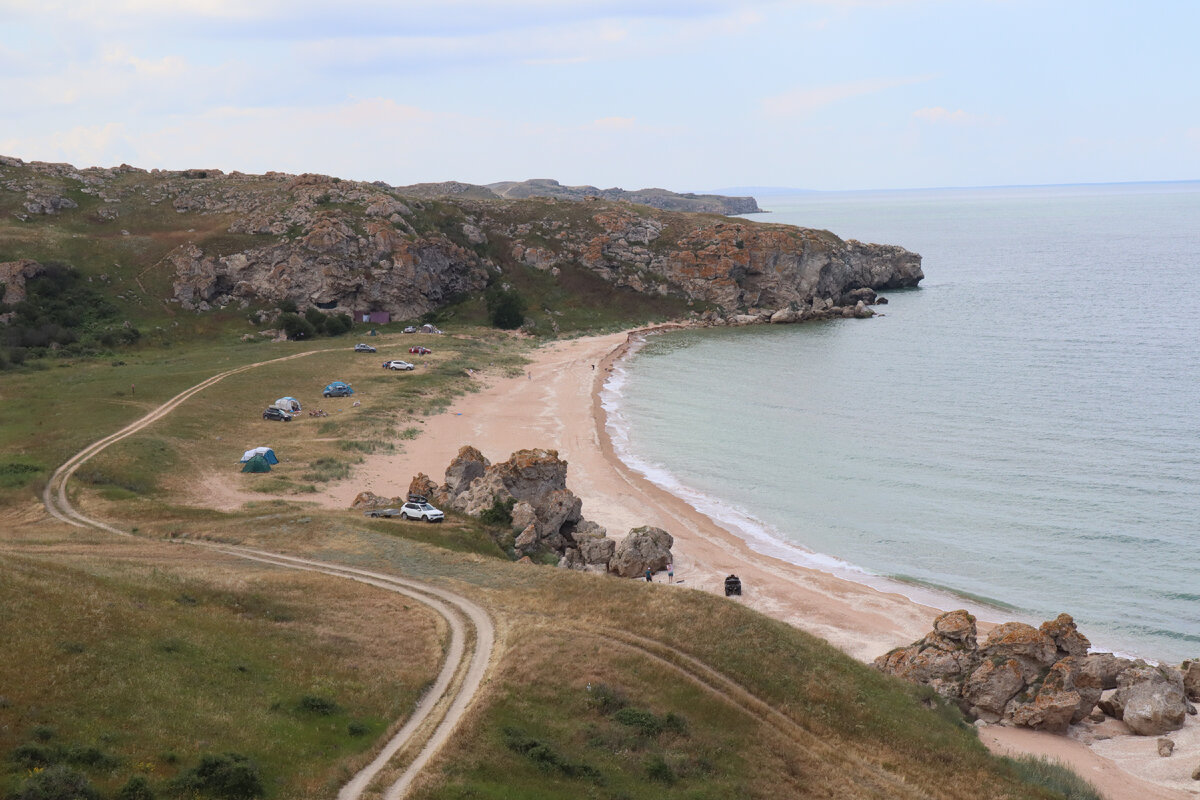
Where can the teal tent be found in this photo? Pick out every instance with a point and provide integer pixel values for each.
(257, 464)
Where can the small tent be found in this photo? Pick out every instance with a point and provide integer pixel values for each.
(265, 452)
(257, 464)
(288, 404)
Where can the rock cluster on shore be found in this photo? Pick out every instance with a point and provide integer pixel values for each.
(546, 516)
(1043, 678)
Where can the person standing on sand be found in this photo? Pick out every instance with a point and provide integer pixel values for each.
(670, 573)
(649, 576)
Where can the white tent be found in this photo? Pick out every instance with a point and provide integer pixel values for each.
(289, 404)
(265, 452)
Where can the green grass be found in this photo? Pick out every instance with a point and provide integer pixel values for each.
(149, 670)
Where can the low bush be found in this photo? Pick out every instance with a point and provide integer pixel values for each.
(56, 783)
(230, 776)
(315, 704)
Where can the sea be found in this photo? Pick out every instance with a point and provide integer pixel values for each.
(1019, 436)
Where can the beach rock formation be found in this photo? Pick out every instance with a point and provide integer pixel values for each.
(1041, 678)
(547, 517)
(349, 246)
(644, 548)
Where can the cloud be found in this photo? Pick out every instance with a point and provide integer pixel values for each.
(941, 116)
(804, 101)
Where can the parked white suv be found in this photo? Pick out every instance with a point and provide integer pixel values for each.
(397, 364)
(420, 510)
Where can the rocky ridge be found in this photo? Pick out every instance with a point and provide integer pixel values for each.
(1043, 678)
(353, 246)
(655, 198)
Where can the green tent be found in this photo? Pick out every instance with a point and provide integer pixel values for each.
(257, 464)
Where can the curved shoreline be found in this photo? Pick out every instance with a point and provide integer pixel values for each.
(557, 405)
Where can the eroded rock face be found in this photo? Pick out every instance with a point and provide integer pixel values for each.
(1041, 678)
(358, 246)
(643, 548)
(942, 660)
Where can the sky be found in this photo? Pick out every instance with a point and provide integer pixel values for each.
(689, 95)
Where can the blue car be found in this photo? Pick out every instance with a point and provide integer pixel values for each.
(338, 389)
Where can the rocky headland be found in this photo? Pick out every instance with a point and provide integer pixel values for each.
(351, 246)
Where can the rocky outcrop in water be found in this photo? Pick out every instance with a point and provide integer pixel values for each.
(1041, 678)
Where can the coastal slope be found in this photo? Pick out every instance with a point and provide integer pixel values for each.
(354, 247)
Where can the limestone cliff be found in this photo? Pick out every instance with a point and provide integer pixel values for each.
(351, 246)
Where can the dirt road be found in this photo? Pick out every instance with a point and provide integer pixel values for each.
(472, 634)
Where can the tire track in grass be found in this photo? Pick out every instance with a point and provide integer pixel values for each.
(467, 657)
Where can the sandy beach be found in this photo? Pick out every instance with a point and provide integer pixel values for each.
(556, 405)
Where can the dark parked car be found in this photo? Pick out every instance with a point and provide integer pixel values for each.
(277, 414)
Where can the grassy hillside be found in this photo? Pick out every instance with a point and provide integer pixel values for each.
(139, 657)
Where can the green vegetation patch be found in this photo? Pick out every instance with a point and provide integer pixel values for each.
(112, 678)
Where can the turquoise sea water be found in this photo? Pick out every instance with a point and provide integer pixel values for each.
(1025, 427)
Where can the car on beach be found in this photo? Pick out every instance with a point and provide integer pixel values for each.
(397, 364)
(382, 512)
(363, 348)
(277, 414)
(421, 509)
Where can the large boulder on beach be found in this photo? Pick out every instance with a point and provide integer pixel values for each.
(1149, 699)
(644, 548)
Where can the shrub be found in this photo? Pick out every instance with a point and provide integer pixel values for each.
(229, 777)
(136, 788)
(506, 308)
(500, 514)
(641, 720)
(337, 324)
(356, 728)
(606, 699)
(315, 704)
(657, 769)
(57, 783)
(296, 327)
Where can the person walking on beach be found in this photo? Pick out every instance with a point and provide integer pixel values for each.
(670, 573)
(649, 576)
